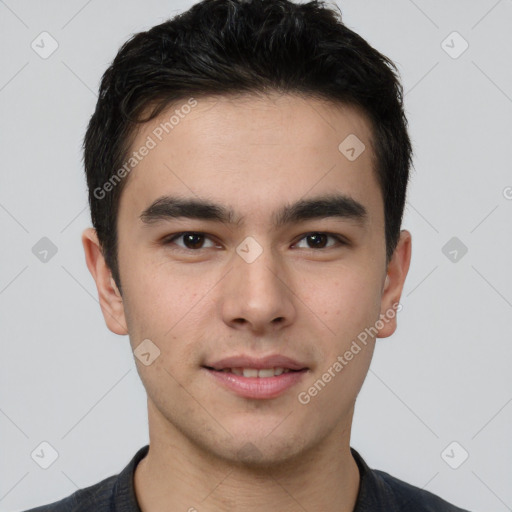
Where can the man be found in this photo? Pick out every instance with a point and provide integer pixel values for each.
(247, 166)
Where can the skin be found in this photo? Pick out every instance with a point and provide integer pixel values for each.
(211, 449)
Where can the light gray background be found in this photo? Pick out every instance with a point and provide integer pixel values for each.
(444, 376)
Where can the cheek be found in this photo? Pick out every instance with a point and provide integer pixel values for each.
(158, 299)
(346, 304)
(169, 309)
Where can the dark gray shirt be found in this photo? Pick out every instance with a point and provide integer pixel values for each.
(378, 492)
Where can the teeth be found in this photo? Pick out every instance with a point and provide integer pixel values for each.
(250, 372)
(254, 372)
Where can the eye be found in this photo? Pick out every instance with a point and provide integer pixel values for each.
(318, 240)
(193, 240)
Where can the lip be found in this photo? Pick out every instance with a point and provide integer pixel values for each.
(257, 387)
(272, 361)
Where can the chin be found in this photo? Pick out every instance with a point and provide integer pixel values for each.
(261, 454)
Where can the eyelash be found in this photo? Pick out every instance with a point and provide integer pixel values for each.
(170, 240)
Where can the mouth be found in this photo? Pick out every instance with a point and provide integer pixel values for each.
(262, 373)
(253, 378)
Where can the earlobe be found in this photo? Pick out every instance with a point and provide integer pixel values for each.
(110, 299)
(397, 271)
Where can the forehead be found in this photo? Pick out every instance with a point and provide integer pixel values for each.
(252, 153)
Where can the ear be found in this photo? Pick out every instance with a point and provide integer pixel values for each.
(110, 299)
(394, 283)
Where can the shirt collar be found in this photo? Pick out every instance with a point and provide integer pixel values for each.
(123, 493)
(373, 490)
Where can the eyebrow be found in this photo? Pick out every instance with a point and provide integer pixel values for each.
(338, 206)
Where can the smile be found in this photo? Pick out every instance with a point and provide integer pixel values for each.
(254, 383)
(255, 372)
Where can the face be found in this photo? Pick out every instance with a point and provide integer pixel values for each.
(270, 285)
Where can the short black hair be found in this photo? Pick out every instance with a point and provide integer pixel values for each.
(233, 47)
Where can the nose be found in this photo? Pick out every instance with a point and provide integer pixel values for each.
(258, 295)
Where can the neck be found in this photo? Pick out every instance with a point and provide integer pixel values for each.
(176, 474)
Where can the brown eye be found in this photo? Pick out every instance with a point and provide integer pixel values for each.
(191, 240)
(318, 240)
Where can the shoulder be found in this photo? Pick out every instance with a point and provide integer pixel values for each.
(408, 497)
(93, 498)
(111, 493)
(381, 492)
